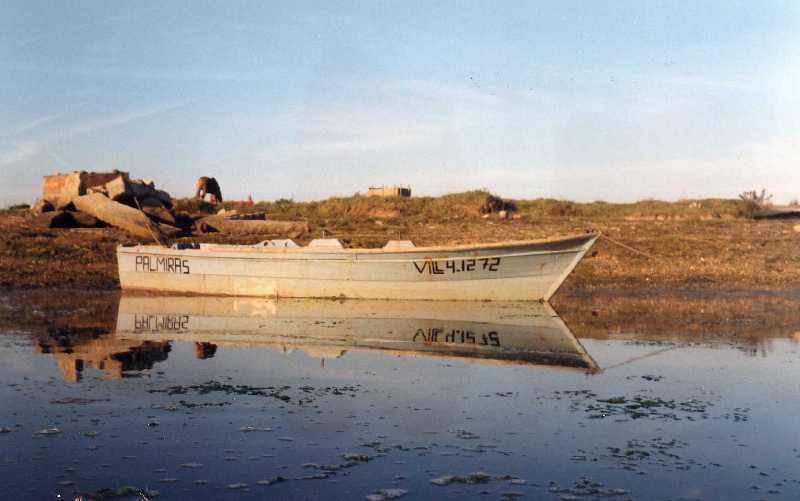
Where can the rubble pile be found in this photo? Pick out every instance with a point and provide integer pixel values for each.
(83, 199)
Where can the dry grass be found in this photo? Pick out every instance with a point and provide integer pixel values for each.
(474, 204)
(693, 244)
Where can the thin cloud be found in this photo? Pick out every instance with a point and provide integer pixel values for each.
(31, 125)
(24, 150)
(21, 151)
(35, 123)
(110, 121)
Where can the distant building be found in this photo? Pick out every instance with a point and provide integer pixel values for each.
(389, 191)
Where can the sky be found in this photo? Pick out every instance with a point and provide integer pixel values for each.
(617, 101)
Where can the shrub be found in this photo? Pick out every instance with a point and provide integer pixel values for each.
(753, 201)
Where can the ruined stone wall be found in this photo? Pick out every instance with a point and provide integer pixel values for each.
(60, 189)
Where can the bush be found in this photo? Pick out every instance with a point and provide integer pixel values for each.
(752, 201)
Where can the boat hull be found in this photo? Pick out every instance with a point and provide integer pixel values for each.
(515, 271)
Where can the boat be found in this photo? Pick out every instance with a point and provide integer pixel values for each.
(518, 333)
(507, 271)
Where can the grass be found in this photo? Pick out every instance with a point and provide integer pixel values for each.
(473, 205)
(694, 243)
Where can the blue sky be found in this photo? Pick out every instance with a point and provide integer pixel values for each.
(583, 100)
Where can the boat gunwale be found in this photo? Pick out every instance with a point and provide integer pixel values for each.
(587, 238)
(351, 259)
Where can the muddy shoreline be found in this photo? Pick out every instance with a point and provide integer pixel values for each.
(670, 254)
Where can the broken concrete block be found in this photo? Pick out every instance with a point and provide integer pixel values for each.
(150, 202)
(127, 218)
(97, 189)
(166, 200)
(117, 189)
(141, 189)
(84, 220)
(160, 214)
(256, 216)
(41, 206)
(60, 189)
(52, 219)
(65, 219)
(92, 179)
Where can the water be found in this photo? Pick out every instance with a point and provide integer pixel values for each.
(623, 398)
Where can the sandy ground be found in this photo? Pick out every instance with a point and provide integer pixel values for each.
(673, 254)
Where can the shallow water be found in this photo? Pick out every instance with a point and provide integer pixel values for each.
(200, 399)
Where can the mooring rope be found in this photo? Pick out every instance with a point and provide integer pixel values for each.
(642, 357)
(625, 246)
(149, 222)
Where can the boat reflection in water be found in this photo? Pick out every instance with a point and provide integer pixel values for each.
(497, 332)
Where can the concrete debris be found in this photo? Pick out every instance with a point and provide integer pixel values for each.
(141, 189)
(149, 201)
(41, 206)
(66, 219)
(160, 214)
(53, 219)
(61, 189)
(166, 199)
(116, 189)
(84, 199)
(250, 216)
(234, 214)
(83, 220)
(91, 199)
(122, 216)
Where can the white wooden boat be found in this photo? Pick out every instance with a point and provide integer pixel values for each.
(507, 271)
(486, 332)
